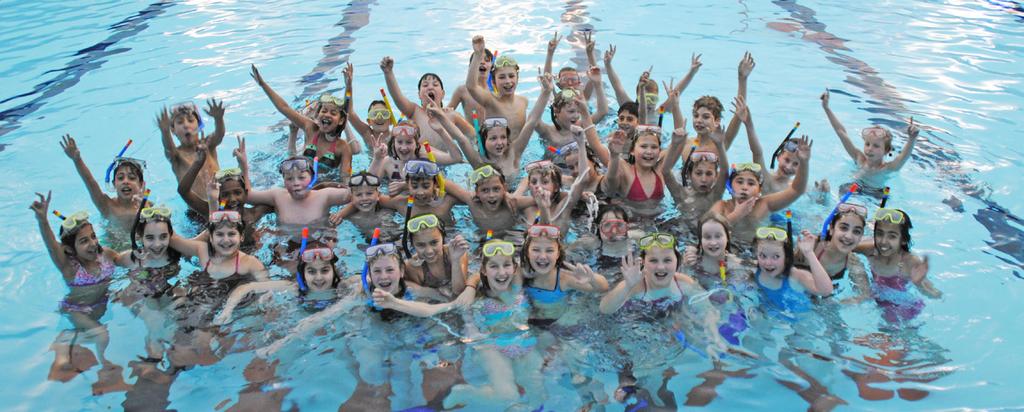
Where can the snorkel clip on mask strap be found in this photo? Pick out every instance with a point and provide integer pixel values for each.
(366, 266)
(832, 215)
(778, 150)
(110, 168)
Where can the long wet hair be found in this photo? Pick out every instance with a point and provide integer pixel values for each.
(905, 240)
(556, 178)
(524, 254)
(240, 226)
(485, 286)
(787, 248)
(67, 239)
(139, 229)
(302, 268)
(388, 315)
(632, 144)
(416, 138)
(714, 217)
(863, 221)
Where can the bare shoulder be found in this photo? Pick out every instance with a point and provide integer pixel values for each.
(685, 279)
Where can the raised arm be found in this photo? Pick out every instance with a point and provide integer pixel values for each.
(193, 201)
(675, 148)
(449, 131)
(41, 207)
(631, 279)
(215, 109)
(484, 97)
(851, 149)
(742, 111)
(588, 89)
(614, 181)
(99, 198)
(723, 166)
(164, 123)
(620, 93)
(819, 282)
(695, 65)
(280, 104)
(408, 108)
(594, 74)
(779, 200)
(458, 248)
(552, 45)
(901, 159)
(576, 190)
(523, 139)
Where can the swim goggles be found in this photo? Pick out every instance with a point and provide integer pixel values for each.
(569, 77)
(228, 215)
(648, 129)
(495, 122)
(651, 99)
(539, 165)
(152, 212)
(73, 221)
(612, 227)
(225, 173)
(419, 223)
(363, 178)
(568, 94)
(874, 131)
(852, 207)
(328, 98)
(404, 130)
(771, 233)
(379, 114)
(481, 173)
(381, 249)
(894, 216)
(659, 239)
(505, 61)
(568, 148)
(547, 231)
(704, 157)
(753, 167)
(421, 168)
(301, 164)
(322, 253)
(141, 164)
(496, 247)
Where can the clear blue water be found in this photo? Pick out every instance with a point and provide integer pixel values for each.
(100, 71)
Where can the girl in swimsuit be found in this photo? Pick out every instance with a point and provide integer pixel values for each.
(545, 183)
(439, 269)
(493, 208)
(609, 234)
(835, 250)
(128, 182)
(645, 183)
(714, 243)
(421, 178)
(894, 267)
(87, 269)
(390, 157)
(545, 263)
(322, 133)
(701, 180)
(365, 211)
(783, 287)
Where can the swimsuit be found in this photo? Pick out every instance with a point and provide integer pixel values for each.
(513, 344)
(656, 308)
(783, 299)
(328, 161)
(636, 191)
(891, 294)
(543, 298)
(154, 282)
(205, 294)
(84, 278)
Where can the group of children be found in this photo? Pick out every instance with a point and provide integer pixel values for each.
(582, 218)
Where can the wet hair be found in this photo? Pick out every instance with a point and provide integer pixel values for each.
(556, 178)
(426, 76)
(524, 254)
(711, 103)
(757, 175)
(309, 163)
(905, 226)
(497, 172)
(787, 247)
(835, 220)
(485, 286)
(632, 144)
(140, 229)
(132, 167)
(713, 217)
(558, 103)
(240, 226)
(675, 251)
(482, 136)
(388, 315)
(416, 138)
(67, 238)
(340, 128)
(606, 209)
(185, 109)
(375, 103)
(488, 56)
(886, 136)
(302, 268)
(629, 107)
(689, 165)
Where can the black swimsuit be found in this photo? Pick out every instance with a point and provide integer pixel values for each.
(328, 161)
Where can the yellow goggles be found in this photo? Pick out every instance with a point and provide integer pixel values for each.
(419, 223)
(659, 239)
(73, 221)
(505, 61)
(327, 98)
(379, 114)
(224, 173)
(651, 99)
(894, 216)
(495, 247)
(753, 167)
(481, 173)
(771, 233)
(151, 212)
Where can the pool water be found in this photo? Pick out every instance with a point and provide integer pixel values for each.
(101, 70)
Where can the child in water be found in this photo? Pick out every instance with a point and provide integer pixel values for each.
(877, 144)
(128, 181)
(893, 267)
(506, 103)
(365, 211)
(784, 288)
(184, 122)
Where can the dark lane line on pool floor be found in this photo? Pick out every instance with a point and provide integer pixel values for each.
(1006, 238)
(89, 59)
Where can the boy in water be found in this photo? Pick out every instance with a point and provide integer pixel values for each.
(184, 121)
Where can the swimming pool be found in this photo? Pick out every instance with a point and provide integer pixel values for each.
(102, 70)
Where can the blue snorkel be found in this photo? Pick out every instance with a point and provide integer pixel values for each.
(302, 248)
(316, 166)
(114, 163)
(832, 215)
(366, 265)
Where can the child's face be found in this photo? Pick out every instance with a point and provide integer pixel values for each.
(385, 273)
(647, 150)
(156, 238)
(704, 121)
(329, 116)
(571, 161)
(365, 197)
(491, 192)
(429, 244)
(225, 240)
(540, 181)
(848, 231)
(232, 194)
(87, 246)
(127, 183)
(614, 235)
(569, 79)
(745, 186)
(713, 239)
(567, 115)
(496, 142)
(185, 126)
(542, 254)
(319, 275)
(771, 257)
(379, 123)
(485, 66)
(506, 79)
(499, 271)
(430, 89)
(296, 182)
(703, 176)
(788, 163)
(659, 266)
(875, 147)
(887, 238)
(627, 121)
(421, 188)
(405, 146)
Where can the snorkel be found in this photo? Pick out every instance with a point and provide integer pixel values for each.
(405, 226)
(113, 163)
(846, 196)
(302, 248)
(138, 214)
(885, 197)
(440, 176)
(387, 104)
(778, 150)
(316, 174)
(661, 115)
(480, 138)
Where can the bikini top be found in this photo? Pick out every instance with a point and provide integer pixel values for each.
(494, 311)
(544, 296)
(328, 160)
(636, 190)
(84, 278)
(203, 287)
